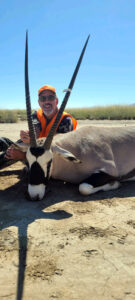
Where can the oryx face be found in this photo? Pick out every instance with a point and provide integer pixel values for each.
(40, 162)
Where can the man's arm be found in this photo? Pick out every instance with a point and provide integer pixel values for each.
(66, 125)
(15, 154)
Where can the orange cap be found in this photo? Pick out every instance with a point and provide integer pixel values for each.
(47, 87)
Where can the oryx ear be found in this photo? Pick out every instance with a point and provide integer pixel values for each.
(65, 154)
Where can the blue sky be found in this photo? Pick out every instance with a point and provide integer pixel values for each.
(57, 31)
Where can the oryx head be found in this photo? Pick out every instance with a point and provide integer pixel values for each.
(40, 157)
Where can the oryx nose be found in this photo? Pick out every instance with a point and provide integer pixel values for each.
(36, 192)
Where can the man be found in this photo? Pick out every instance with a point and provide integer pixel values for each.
(42, 120)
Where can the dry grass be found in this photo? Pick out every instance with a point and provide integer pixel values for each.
(113, 112)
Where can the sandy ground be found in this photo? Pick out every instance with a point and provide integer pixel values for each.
(66, 246)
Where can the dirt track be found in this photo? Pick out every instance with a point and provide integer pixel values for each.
(67, 246)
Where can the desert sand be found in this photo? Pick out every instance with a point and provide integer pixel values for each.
(67, 246)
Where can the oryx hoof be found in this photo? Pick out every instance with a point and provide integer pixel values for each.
(86, 189)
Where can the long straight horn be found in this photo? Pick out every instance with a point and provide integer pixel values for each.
(51, 133)
(27, 95)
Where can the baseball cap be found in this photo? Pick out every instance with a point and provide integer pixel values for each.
(47, 87)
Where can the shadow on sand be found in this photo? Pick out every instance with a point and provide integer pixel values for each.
(22, 212)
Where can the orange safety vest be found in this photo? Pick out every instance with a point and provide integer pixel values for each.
(46, 128)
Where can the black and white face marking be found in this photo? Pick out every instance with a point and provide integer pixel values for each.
(39, 171)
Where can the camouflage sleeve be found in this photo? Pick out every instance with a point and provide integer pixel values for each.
(36, 123)
(66, 125)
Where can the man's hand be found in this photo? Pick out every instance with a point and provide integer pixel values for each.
(15, 154)
(24, 135)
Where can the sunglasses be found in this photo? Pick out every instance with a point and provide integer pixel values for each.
(49, 97)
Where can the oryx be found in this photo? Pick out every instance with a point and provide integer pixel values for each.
(95, 158)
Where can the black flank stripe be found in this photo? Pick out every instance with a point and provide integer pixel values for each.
(48, 168)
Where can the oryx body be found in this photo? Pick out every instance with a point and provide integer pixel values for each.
(111, 150)
(95, 158)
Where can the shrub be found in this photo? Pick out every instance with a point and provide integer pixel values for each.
(8, 116)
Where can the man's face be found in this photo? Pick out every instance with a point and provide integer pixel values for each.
(48, 102)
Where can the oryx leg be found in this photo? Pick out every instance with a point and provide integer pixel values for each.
(130, 179)
(5, 143)
(99, 181)
(129, 176)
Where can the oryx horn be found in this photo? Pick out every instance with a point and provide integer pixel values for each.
(52, 131)
(28, 103)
